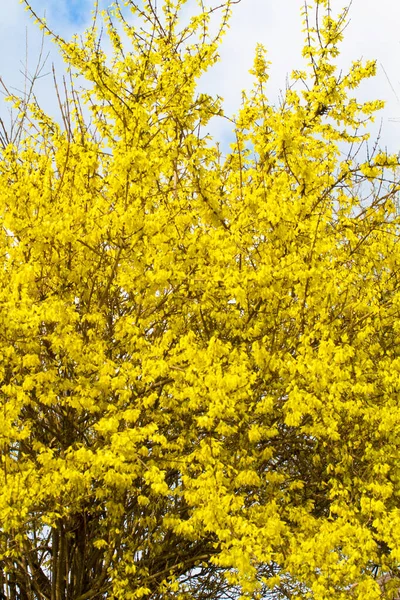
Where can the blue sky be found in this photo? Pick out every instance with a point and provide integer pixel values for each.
(77, 12)
(372, 33)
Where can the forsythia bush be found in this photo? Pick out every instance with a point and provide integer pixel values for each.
(200, 353)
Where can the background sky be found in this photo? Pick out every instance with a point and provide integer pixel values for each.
(373, 33)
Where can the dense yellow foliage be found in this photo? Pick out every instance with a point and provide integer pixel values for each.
(200, 353)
